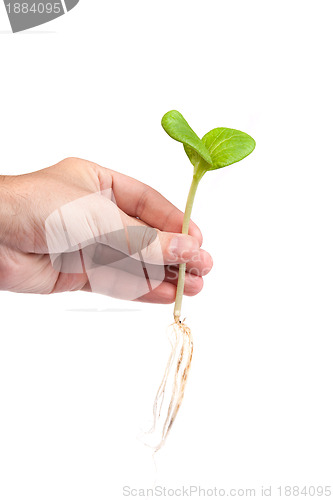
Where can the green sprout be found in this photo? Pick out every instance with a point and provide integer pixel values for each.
(217, 149)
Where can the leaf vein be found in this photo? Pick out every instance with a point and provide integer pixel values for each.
(228, 139)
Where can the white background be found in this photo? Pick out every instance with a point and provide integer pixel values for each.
(78, 372)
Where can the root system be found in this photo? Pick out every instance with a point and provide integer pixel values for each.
(171, 391)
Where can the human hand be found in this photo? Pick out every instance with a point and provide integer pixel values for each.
(79, 226)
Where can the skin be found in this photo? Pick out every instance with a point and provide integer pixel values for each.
(26, 201)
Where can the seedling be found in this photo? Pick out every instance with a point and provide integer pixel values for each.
(217, 149)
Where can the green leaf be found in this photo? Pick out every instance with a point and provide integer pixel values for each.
(227, 146)
(177, 127)
(217, 149)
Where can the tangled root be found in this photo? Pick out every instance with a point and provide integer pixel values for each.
(170, 394)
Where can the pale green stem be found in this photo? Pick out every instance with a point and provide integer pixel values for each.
(186, 222)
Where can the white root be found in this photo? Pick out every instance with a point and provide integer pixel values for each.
(171, 391)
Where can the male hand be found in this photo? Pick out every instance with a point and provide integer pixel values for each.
(79, 226)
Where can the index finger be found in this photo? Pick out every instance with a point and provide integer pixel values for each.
(140, 200)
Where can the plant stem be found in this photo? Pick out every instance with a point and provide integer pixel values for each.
(186, 222)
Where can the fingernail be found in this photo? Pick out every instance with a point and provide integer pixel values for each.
(182, 248)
